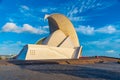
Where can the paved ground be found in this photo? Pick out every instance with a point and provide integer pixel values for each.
(101, 71)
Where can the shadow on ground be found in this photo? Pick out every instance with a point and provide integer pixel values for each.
(78, 71)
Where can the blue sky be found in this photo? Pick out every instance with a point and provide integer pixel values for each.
(97, 23)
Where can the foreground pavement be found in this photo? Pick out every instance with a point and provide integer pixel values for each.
(99, 71)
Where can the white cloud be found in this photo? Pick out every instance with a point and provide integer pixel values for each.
(106, 45)
(100, 42)
(90, 30)
(107, 29)
(77, 18)
(13, 48)
(12, 27)
(85, 30)
(81, 9)
(28, 28)
(82, 6)
(25, 7)
(75, 10)
(110, 51)
(44, 10)
(85, 5)
(11, 20)
(25, 10)
(45, 27)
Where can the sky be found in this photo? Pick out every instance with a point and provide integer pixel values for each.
(97, 23)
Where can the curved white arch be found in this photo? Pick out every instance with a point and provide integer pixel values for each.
(59, 21)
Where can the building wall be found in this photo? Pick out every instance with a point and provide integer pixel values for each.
(37, 52)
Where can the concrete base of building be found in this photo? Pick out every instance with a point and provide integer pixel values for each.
(41, 52)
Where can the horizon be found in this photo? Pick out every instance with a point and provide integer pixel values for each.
(97, 23)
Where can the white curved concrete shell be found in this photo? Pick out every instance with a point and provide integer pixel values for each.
(62, 42)
(59, 21)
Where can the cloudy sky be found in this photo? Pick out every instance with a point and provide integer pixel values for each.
(97, 23)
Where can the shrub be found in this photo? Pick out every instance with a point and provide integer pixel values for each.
(101, 61)
(0, 58)
(118, 61)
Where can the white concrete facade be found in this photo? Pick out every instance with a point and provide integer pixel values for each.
(62, 43)
(36, 52)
